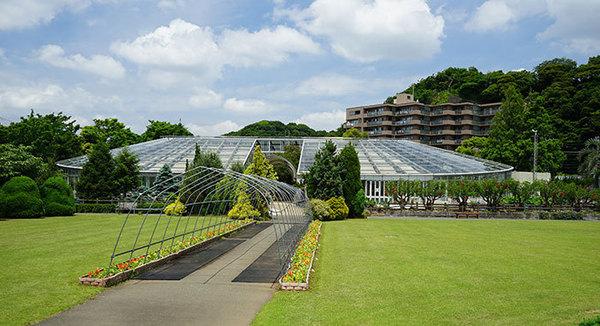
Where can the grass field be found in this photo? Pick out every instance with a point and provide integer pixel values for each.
(381, 272)
(42, 259)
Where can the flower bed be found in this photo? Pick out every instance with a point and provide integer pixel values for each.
(124, 270)
(298, 273)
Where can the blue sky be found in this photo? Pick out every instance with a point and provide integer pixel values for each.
(217, 65)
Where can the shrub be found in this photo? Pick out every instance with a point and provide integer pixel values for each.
(460, 191)
(591, 322)
(320, 210)
(20, 198)
(243, 208)
(57, 197)
(176, 208)
(561, 215)
(95, 208)
(360, 202)
(338, 207)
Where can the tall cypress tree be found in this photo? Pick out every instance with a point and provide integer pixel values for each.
(351, 184)
(164, 182)
(127, 172)
(96, 180)
(197, 183)
(323, 179)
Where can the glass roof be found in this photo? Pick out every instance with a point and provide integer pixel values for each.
(378, 158)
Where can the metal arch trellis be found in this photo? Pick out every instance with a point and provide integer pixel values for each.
(208, 194)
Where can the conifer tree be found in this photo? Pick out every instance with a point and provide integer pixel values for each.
(351, 184)
(127, 172)
(96, 180)
(164, 182)
(260, 166)
(323, 180)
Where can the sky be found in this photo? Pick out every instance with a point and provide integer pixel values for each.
(217, 65)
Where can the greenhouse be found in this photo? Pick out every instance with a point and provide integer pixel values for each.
(380, 159)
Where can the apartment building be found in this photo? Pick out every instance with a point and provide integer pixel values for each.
(444, 125)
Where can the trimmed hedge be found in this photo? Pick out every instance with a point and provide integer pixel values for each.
(96, 208)
(20, 198)
(561, 215)
(57, 197)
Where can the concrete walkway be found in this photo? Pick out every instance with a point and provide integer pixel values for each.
(205, 297)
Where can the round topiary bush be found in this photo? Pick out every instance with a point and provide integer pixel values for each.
(20, 198)
(57, 197)
(338, 207)
(320, 210)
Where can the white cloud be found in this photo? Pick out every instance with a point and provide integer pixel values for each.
(371, 30)
(101, 65)
(576, 27)
(327, 120)
(502, 14)
(29, 97)
(213, 129)
(183, 45)
(206, 99)
(330, 85)
(52, 97)
(248, 106)
(265, 47)
(170, 4)
(15, 14)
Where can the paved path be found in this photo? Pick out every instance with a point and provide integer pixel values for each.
(205, 297)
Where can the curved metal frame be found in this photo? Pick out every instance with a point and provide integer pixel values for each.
(210, 193)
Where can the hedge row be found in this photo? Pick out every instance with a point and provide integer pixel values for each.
(96, 208)
(492, 192)
(334, 208)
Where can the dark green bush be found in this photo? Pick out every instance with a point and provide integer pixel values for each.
(95, 208)
(591, 322)
(561, 215)
(20, 198)
(57, 197)
(359, 203)
(338, 207)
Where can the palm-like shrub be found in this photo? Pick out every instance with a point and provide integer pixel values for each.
(590, 160)
(20, 198)
(57, 197)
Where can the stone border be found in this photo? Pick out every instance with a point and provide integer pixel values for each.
(287, 286)
(125, 275)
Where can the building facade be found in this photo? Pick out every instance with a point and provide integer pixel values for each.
(444, 125)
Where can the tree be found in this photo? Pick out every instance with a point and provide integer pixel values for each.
(237, 166)
(267, 128)
(292, 153)
(158, 129)
(351, 183)
(127, 172)
(109, 130)
(283, 170)
(57, 197)
(472, 146)
(460, 191)
(199, 182)
(590, 160)
(401, 191)
(52, 137)
(17, 160)
(260, 166)
(491, 191)
(430, 191)
(355, 134)
(323, 180)
(96, 180)
(164, 184)
(521, 191)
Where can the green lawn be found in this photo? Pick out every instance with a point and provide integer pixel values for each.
(381, 272)
(43, 258)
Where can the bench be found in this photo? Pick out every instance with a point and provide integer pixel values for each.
(467, 214)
